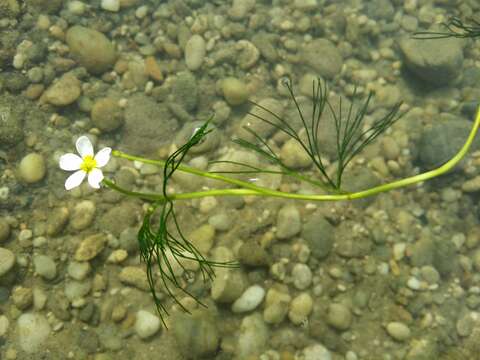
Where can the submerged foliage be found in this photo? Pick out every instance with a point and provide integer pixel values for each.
(163, 244)
(351, 136)
(455, 28)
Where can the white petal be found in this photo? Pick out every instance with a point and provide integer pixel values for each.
(94, 178)
(70, 162)
(103, 156)
(75, 179)
(84, 146)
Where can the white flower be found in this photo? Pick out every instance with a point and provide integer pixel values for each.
(85, 164)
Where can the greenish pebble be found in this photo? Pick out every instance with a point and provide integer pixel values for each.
(45, 266)
(197, 333)
(91, 48)
(32, 168)
(234, 90)
(319, 235)
(4, 230)
(107, 115)
(339, 317)
(399, 331)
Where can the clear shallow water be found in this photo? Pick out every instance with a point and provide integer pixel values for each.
(389, 277)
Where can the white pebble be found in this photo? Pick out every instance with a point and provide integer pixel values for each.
(111, 5)
(249, 300)
(141, 12)
(302, 276)
(76, 7)
(33, 330)
(146, 324)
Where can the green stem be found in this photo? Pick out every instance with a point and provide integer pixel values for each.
(250, 189)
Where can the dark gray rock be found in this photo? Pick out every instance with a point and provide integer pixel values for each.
(185, 90)
(319, 235)
(323, 57)
(11, 122)
(148, 125)
(443, 140)
(438, 61)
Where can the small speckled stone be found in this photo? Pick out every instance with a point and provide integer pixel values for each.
(90, 247)
(234, 90)
(300, 308)
(22, 297)
(82, 215)
(134, 276)
(302, 276)
(397, 330)
(45, 266)
(7, 260)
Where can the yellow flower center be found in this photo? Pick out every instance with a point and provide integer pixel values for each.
(88, 164)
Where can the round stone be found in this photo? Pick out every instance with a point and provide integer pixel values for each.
(7, 260)
(234, 90)
(249, 300)
(397, 330)
(33, 330)
(146, 324)
(32, 168)
(107, 115)
(45, 266)
(339, 317)
(195, 50)
(91, 48)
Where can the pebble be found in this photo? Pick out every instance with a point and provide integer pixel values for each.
(252, 337)
(146, 324)
(221, 222)
(316, 352)
(22, 297)
(195, 50)
(63, 92)
(78, 270)
(294, 156)
(134, 276)
(234, 90)
(76, 7)
(196, 333)
(399, 331)
(57, 220)
(82, 215)
(91, 49)
(228, 285)
(32, 168)
(289, 222)
(4, 324)
(339, 316)
(76, 290)
(202, 238)
(110, 5)
(107, 115)
(249, 300)
(45, 266)
(471, 185)
(7, 261)
(300, 308)
(32, 331)
(302, 276)
(276, 305)
(90, 247)
(4, 230)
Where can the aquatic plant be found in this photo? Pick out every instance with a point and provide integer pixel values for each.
(455, 28)
(161, 241)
